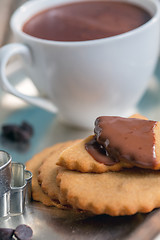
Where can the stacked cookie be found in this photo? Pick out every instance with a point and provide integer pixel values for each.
(67, 175)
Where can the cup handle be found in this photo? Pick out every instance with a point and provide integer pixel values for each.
(5, 53)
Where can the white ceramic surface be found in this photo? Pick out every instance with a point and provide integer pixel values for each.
(85, 79)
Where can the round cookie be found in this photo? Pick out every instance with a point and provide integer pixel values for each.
(33, 166)
(115, 193)
(48, 172)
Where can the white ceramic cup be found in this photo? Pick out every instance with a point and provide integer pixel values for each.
(85, 79)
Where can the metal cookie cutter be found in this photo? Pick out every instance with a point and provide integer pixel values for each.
(20, 188)
(5, 183)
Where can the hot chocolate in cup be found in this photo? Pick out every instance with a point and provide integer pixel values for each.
(88, 58)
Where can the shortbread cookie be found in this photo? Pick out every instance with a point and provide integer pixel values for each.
(137, 115)
(48, 172)
(137, 139)
(33, 166)
(77, 158)
(115, 193)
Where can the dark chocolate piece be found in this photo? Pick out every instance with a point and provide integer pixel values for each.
(17, 133)
(23, 232)
(27, 127)
(6, 233)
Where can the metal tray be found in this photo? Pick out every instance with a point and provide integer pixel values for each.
(52, 223)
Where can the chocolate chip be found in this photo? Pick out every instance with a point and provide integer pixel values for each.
(6, 233)
(17, 133)
(27, 127)
(23, 232)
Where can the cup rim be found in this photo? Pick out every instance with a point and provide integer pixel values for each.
(26, 5)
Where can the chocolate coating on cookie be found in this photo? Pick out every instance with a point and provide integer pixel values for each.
(100, 153)
(132, 138)
(128, 139)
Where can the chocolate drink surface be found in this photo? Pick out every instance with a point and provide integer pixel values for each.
(82, 21)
